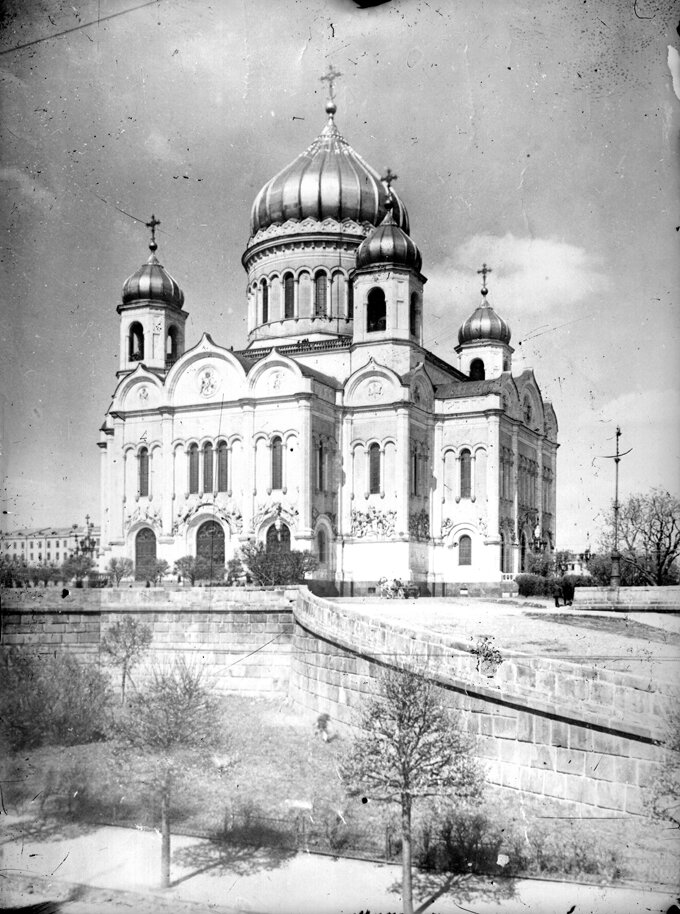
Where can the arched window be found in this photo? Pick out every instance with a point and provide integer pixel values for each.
(376, 311)
(414, 472)
(136, 342)
(208, 468)
(350, 301)
(171, 345)
(278, 539)
(222, 467)
(477, 370)
(414, 315)
(374, 469)
(145, 553)
(210, 547)
(320, 295)
(465, 474)
(265, 302)
(320, 468)
(143, 461)
(288, 295)
(321, 547)
(193, 469)
(465, 550)
(277, 463)
(527, 411)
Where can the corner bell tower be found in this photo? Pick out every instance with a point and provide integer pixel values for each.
(152, 320)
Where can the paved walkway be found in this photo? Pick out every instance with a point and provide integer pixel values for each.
(261, 881)
(647, 644)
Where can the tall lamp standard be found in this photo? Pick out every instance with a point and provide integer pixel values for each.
(615, 578)
(88, 544)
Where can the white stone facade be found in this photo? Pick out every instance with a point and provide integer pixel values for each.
(335, 425)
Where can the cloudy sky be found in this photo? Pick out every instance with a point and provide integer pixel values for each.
(540, 137)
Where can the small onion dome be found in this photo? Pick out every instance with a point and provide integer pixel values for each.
(484, 324)
(389, 244)
(152, 282)
(327, 181)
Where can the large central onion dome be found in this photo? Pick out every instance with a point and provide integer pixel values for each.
(484, 324)
(327, 181)
(152, 282)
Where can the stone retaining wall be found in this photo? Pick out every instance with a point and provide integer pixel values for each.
(628, 599)
(568, 731)
(241, 638)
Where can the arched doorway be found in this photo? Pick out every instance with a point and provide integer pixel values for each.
(210, 544)
(145, 552)
(278, 540)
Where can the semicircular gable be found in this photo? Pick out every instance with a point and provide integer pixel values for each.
(372, 385)
(139, 390)
(205, 376)
(275, 375)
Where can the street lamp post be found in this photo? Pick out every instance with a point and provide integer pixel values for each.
(615, 578)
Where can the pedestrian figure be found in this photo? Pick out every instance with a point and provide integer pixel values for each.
(322, 726)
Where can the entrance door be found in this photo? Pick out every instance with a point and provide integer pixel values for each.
(145, 552)
(210, 544)
(278, 540)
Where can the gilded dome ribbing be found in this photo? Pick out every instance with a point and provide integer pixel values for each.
(389, 243)
(152, 282)
(327, 181)
(484, 324)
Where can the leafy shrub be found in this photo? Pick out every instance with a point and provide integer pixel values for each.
(52, 701)
(272, 566)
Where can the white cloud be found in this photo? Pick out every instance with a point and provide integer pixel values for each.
(26, 188)
(160, 147)
(644, 407)
(529, 275)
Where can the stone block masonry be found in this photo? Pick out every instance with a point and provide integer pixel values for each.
(241, 638)
(585, 735)
(579, 734)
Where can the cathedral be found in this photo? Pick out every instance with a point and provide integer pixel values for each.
(334, 430)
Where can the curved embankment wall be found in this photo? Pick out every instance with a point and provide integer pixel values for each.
(553, 728)
(564, 730)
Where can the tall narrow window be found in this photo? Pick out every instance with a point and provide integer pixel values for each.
(143, 460)
(477, 370)
(193, 469)
(265, 302)
(320, 295)
(322, 547)
(288, 295)
(350, 301)
(465, 474)
(376, 311)
(277, 463)
(374, 469)
(465, 551)
(320, 468)
(414, 315)
(414, 472)
(222, 467)
(171, 345)
(136, 342)
(208, 468)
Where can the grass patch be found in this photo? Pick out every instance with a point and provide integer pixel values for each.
(283, 790)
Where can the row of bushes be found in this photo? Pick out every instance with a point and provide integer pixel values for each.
(535, 585)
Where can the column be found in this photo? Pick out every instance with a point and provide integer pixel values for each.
(305, 503)
(493, 495)
(167, 481)
(117, 491)
(346, 493)
(402, 468)
(514, 477)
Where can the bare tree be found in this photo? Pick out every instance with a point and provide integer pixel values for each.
(120, 568)
(124, 643)
(649, 536)
(174, 713)
(664, 798)
(410, 748)
(195, 567)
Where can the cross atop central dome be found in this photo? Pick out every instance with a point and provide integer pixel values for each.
(329, 180)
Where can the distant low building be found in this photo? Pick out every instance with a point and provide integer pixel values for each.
(46, 545)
